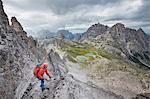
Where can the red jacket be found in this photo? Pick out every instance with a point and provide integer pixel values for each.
(42, 71)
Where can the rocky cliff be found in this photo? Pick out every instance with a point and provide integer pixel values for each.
(18, 55)
(3, 17)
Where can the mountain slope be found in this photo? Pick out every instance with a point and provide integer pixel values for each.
(109, 71)
(69, 88)
(134, 44)
(18, 55)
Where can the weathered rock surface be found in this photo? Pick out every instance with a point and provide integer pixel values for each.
(3, 17)
(16, 25)
(18, 55)
(94, 31)
(142, 96)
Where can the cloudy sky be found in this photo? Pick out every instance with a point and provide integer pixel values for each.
(78, 15)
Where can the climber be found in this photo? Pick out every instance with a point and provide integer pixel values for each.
(39, 71)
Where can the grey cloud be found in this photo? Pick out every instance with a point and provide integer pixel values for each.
(143, 14)
(36, 14)
(145, 25)
(28, 5)
(140, 19)
(59, 7)
(64, 6)
(116, 19)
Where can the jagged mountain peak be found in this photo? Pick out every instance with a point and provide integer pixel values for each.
(120, 37)
(16, 24)
(94, 31)
(119, 25)
(65, 34)
(140, 30)
(99, 25)
(3, 16)
(18, 54)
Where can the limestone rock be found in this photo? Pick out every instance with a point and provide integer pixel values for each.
(18, 55)
(16, 25)
(94, 31)
(3, 17)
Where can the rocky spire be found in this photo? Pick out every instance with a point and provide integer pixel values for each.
(16, 25)
(95, 30)
(141, 33)
(140, 30)
(119, 26)
(3, 17)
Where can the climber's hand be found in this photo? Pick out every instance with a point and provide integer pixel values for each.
(46, 79)
(50, 77)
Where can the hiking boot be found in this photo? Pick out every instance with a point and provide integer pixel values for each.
(47, 88)
(44, 89)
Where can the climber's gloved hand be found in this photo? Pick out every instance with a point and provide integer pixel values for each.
(50, 77)
(46, 79)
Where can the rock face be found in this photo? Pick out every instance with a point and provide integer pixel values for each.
(18, 55)
(57, 64)
(125, 36)
(16, 25)
(65, 34)
(70, 88)
(94, 31)
(3, 17)
(133, 43)
(142, 96)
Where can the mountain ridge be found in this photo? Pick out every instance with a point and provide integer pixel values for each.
(128, 41)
